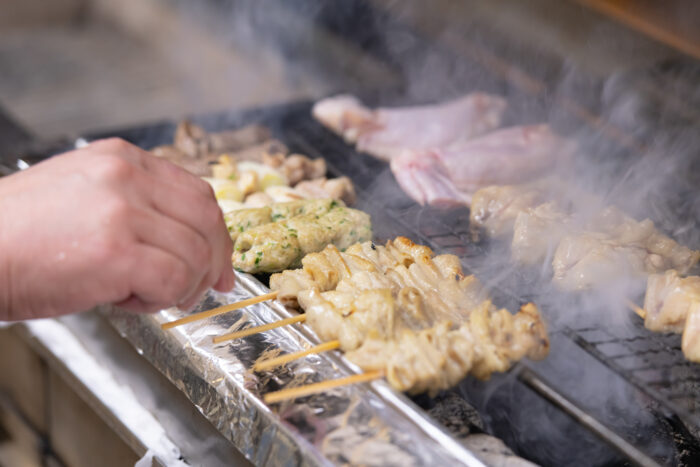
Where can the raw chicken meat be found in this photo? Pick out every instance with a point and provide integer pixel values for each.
(386, 132)
(450, 175)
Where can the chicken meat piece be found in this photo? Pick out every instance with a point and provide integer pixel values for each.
(663, 252)
(414, 315)
(277, 237)
(495, 208)
(340, 188)
(385, 132)
(668, 301)
(672, 304)
(438, 281)
(440, 356)
(690, 344)
(537, 232)
(452, 174)
(195, 150)
(196, 142)
(295, 167)
(591, 259)
(617, 246)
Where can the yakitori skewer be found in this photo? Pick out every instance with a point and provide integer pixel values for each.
(219, 310)
(637, 309)
(258, 329)
(284, 359)
(315, 388)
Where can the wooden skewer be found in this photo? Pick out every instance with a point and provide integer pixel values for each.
(257, 329)
(219, 310)
(634, 307)
(283, 359)
(293, 393)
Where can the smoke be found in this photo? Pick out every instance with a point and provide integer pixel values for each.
(630, 110)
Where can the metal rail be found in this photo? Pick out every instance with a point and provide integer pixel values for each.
(546, 390)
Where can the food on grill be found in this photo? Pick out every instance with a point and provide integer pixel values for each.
(414, 315)
(247, 169)
(386, 132)
(195, 149)
(495, 208)
(672, 304)
(584, 253)
(617, 245)
(451, 174)
(340, 188)
(276, 237)
(296, 167)
(537, 231)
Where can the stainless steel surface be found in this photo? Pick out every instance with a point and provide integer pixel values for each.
(369, 424)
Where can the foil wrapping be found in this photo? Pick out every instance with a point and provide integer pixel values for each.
(367, 424)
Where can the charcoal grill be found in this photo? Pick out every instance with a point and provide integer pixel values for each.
(539, 86)
(449, 232)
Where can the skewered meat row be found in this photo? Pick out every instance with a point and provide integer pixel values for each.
(415, 315)
(584, 252)
(276, 237)
(672, 304)
(441, 154)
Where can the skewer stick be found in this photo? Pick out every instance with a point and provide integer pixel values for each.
(301, 391)
(257, 329)
(219, 310)
(283, 359)
(634, 307)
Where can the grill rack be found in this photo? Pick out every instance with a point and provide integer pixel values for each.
(653, 362)
(445, 232)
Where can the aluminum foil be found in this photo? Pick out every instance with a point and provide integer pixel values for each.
(368, 424)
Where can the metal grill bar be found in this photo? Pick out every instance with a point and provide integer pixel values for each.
(659, 385)
(546, 390)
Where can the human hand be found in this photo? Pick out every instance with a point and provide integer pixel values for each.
(108, 223)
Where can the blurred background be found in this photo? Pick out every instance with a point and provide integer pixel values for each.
(70, 66)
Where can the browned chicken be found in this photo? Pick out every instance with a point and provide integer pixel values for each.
(414, 315)
(672, 304)
(335, 188)
(495, 208)
(617, 246)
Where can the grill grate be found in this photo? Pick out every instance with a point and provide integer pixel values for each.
(653, 362)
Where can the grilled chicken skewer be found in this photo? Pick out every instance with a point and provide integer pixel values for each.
(415, 316)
